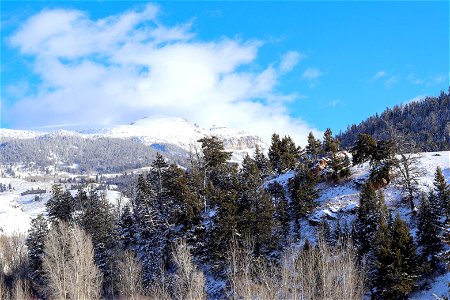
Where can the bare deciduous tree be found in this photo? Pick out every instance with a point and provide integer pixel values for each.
(189, 281)
(69, 265)
(130, 277)
(319, 273)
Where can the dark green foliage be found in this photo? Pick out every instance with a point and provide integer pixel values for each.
(330, 144)
(371, 209)
(425, 123)
(263, 163)
(339, 162)
(60, 206)
(186, 203)
(126, 231)
(214, 152)
(313, 148)
(97, 218)
(442, 190)
(380, 154)
(275, 153)
(276, 190)
(364, 149)
(395, 266)
(303, 192)
(428, 227)
(255, 208)
(283, 153)
(37, 234)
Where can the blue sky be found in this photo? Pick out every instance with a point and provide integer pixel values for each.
(271, 66)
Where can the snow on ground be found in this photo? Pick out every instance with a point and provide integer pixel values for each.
(438, 289)
(16, 210)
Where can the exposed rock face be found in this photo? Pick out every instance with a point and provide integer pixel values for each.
(242, 142)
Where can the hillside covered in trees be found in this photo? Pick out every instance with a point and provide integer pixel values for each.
(425, 124)
(218, 230)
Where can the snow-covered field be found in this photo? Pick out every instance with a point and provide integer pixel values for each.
(16, 210)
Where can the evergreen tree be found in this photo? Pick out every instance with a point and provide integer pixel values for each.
(37, 234)
(255, 208)
(371, 209)
(126, 230)
(442, 190)
(276, 190)
(275, 153)
(383, 254)
(428, 227)
(149, 237)
(98, 220)
(303, 192)
(330, 145)
(314, 147)
(380, 155)
(186, 204)
(289, 154)
(60, 206)
(214, 152)
(263, 162)
(157, 174)
(405, 265)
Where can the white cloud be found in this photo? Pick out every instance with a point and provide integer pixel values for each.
(124, 67)
(311, 74)
(290, 60)
(378, 75)
(333, 103)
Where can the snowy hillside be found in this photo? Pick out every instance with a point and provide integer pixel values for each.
(6, 134)
(167, 134)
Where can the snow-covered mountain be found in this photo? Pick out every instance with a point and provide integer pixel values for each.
(158, 132)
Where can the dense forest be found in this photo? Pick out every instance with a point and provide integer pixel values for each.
(425, 123)
(77, 154)
(219, 230)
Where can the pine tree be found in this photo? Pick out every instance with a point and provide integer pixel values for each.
(276, 190)
(442, 190)
(289, 154)
(157, 175)
(148, 234)
(330, 145)
(275, 153)
(405, 265)
(126, 230)
(214, 152)
(187, 205)
(382, 273)
(371, 209)
(428, 227)
(61, 206)
(314, 147)
(303, 192)
(255, 208)
(37, 234)
(98, 220)
(263, 162)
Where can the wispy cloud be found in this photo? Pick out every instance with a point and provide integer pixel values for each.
(387, 79)
(123, 67)
(311, 74)
(333, 103)
(430, 80)
(378, 75)
(289, 60)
